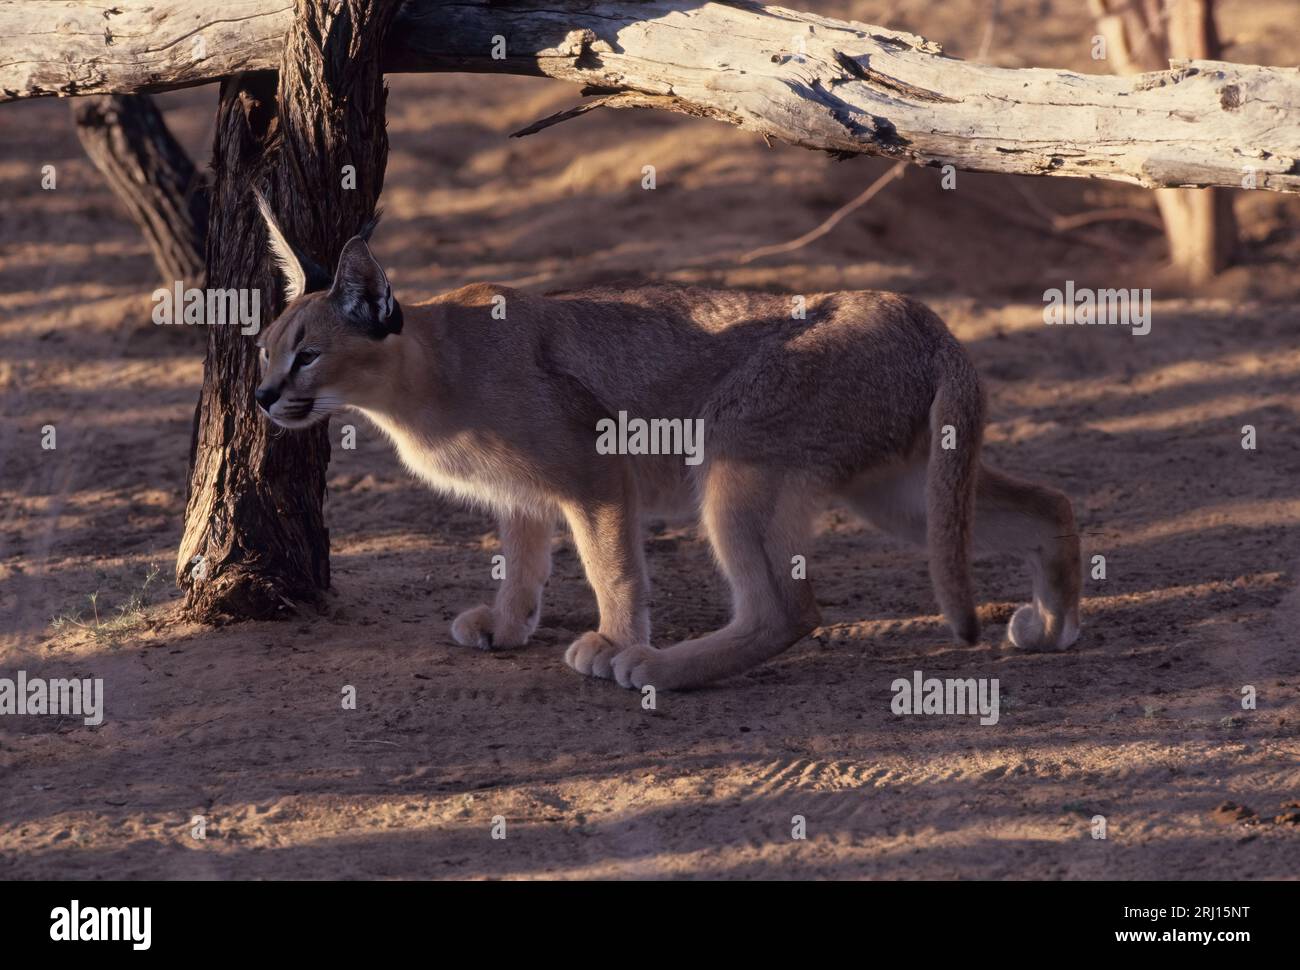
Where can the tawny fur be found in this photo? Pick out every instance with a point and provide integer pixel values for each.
(849, 403)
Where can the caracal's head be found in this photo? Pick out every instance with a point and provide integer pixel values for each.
(327, 349)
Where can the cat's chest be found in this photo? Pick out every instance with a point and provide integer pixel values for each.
(460, 466)
(450, 465)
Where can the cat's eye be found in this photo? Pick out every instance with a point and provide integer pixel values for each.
(305, 358)
(263, 356)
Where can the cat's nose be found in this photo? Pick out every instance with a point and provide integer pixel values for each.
(266, 396)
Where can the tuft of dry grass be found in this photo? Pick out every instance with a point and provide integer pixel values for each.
(129, 617)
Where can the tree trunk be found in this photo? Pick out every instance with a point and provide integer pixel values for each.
(1200, 226)
(152, 176)
(255, 539)
(832, 85)
(1199, 223)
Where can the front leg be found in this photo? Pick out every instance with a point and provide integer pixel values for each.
(512, 618)
(607, 535)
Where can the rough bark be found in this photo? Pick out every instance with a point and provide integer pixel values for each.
(809, 80)
(152, 176)
(254, 526)
(1200, 225)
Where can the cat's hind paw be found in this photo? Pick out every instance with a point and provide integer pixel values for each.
(642, 665)
(1030, 631)
(592, 655)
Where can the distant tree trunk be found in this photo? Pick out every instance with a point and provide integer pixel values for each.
(255, 539)
(1199, 223)
(1200, 226)
(151, 175)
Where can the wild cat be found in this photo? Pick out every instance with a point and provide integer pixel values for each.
(868, 399)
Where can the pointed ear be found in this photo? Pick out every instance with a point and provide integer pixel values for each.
(301, 275)
(361, 291)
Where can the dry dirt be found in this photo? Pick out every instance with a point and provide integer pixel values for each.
(1141, 722)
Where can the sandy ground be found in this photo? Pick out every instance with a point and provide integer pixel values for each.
(1141, 722)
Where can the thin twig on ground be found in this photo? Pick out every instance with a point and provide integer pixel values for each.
(831, 222)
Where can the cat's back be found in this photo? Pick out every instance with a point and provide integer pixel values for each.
(710, 309)
(715, 310)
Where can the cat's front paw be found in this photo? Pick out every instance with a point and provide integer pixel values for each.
(592, 654)
(485, 628)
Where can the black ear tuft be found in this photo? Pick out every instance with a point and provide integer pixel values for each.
(362, 294)
(369, 227)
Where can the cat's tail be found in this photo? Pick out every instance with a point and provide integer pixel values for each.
(956, 430)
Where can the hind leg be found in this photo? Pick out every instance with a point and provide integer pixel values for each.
(757, 522)
(1012, 516)
(1036, 523)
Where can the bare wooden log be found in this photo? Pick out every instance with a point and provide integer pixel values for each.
(76, 48)
(151, 175)
(824, 84)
